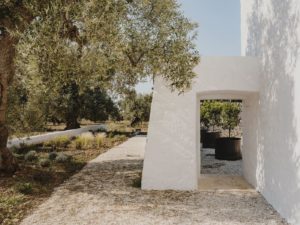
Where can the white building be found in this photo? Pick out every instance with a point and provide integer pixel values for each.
(267, 79)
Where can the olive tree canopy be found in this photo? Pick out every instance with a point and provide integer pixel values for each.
(112, 43)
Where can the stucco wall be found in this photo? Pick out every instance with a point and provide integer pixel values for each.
(172, 159)
(271, 31)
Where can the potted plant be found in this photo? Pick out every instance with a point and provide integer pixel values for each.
(212, 114)
(229, 148)
(204, 120)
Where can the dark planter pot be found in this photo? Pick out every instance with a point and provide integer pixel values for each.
(210, 139)
(202, 137)
(228, 149)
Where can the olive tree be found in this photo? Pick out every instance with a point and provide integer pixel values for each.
(72, 44)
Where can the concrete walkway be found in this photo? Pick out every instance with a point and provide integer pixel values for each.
(105, 192)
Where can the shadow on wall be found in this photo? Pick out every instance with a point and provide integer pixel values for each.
(273, 38)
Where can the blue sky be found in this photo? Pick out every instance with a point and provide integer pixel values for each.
(218, 31)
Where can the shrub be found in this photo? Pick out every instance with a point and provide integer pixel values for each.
(99, 140)
(85, 140)
(23, 148)
(74, 166)
(137, 182)
(52, 155)
(59, 142)
(19, 156)
(24, 188)
(62, 158)
(101, 130)
(45, 163)
(42, 177)
(31, 156)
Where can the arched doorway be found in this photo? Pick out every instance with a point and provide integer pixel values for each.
(172, 157)
(231, 174)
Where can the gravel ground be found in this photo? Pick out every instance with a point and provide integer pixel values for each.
(104, 193)
(210, 165)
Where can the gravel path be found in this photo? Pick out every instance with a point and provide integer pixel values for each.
(103, 193)
(210, 165)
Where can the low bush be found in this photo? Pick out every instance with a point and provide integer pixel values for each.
(23, 149)
(120, 137)
(137, 182)
(74, 166)
(62, 158)
(84, 141)
(45, 163)
(31, 156)
(59, 142)
(52, 155)
(24, 188)
(19, 156)
(99, 140)
(42, 177)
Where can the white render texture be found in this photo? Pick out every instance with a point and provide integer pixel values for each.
(271, 32)
(172, 158)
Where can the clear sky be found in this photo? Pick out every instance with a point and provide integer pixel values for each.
(218, 31)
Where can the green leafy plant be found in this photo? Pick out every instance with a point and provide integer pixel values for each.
(211, 114)
(230, 116)
(24, 188)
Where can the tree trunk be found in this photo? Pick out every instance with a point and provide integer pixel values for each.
(73, 109)
(72, 123)
(8, 163)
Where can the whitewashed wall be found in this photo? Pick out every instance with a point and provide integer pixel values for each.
(172, 158)
(271, 31)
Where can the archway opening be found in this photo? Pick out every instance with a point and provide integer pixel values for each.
(230, 117)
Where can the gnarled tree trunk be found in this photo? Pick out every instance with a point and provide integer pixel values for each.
(8, 163)
(73, 110)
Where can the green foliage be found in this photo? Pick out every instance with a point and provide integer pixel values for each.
(84, 141)
(66, 47)
(136, 107)
(42, 177)
(62, 158)
(137, 182)
(24, 188)
(19, 156)
(231, 116)
(59, 142)
(99, 140)
(31, 156)
(23, 114)
(23, 148)
(74, 166)
(52, 156)
(45, 162)
(97, 105)
(211, 114)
